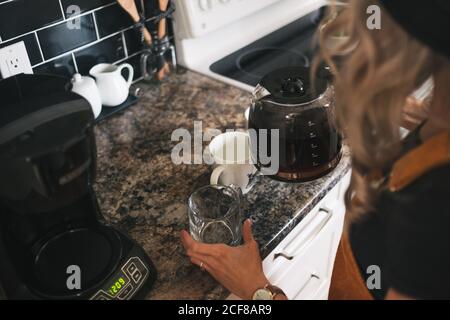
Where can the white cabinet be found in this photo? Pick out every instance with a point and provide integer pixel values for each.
(302, 264)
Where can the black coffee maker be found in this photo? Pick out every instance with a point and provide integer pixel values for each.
(54, 243)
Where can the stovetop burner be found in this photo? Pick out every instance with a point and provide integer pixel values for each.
(254, 62)
(292, 45)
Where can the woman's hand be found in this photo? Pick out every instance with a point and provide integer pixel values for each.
(239, 269)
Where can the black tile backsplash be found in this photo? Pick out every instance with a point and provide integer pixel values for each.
(112, 19)
(151, 8)
(135, 62)
(83, 5)
(62, 66)
(61, 38)
(21, 16)
(133, 41)
(31, 45)
(106, 51)
(105, 35)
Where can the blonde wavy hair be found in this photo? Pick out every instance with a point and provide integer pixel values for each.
(377, 70)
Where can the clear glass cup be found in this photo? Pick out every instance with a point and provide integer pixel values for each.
(215, 215)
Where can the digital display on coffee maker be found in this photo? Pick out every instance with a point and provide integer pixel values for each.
(126, 282)
(117, 285)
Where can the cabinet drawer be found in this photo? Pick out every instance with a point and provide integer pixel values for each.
(302, 263)
(309, 275)
(305, 232)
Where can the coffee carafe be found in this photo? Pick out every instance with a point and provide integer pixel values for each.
(287, 100)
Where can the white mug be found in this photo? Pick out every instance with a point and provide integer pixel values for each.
(233, 165)
(112, 86)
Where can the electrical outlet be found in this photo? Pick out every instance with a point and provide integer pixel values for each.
(14, 60)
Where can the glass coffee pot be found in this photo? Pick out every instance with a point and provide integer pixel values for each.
(286, 102)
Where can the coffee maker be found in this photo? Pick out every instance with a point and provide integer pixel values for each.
(54, 242)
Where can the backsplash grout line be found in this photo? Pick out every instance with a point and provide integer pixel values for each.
(62, 10)
(86, 45)
(137, 80)
(47, 27)
(75, 65)
(124, 43)
(82, 47)
(71, 18)
(130, 56)
(6, 2)
(39, 46)
(60, 22)
(94, 17)
(100, 8)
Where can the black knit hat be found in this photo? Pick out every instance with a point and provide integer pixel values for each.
(426, 20)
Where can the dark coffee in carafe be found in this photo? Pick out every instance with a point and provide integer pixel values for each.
(309, 144)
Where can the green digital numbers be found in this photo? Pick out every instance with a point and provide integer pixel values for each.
(115, 288)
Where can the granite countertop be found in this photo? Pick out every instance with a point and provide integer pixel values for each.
(143, 193)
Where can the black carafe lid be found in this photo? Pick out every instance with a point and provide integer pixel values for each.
(293, 86)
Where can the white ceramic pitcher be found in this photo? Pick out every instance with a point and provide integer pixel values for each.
(111, 84)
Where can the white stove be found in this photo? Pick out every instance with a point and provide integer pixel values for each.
(239, 41)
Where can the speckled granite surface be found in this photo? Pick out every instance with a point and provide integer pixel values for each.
(141, 191)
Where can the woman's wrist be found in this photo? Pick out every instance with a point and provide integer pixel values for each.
(260, 283)
(263, 283)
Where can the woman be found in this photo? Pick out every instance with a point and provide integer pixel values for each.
(398, 214)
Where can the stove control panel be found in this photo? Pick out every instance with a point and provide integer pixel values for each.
(199, 17)
(125, 283)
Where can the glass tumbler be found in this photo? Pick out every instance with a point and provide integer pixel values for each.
(215, 215)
